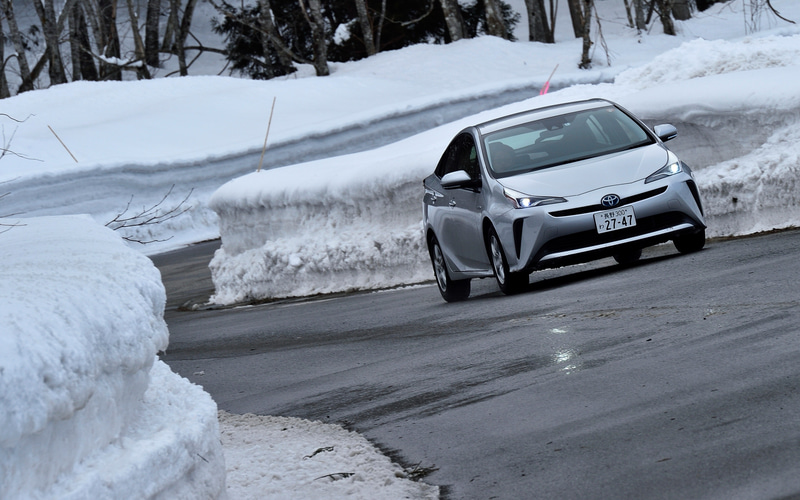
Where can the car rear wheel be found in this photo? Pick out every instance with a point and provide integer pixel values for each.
(689, 243)
(509, 283)
(451, 290)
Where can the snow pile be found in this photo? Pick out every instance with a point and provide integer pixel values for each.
(88, 410)
(323, 461)
(354, 222)
(348, 222)
(751, 123)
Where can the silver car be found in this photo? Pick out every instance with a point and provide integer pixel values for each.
(555, 186)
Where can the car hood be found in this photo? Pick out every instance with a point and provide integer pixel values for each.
(594, 173)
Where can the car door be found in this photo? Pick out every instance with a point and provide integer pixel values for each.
(457, 223)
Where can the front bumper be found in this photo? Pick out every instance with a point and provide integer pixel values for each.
(565, 234)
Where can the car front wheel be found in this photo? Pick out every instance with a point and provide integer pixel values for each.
(628, 257)
(451, 290)
(509, 283)
(689, 243)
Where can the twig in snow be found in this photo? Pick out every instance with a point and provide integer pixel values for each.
(148, 216)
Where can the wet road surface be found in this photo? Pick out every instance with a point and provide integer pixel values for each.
(675, 378)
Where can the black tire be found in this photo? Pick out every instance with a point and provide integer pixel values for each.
(628, 257)
(451, 290)
(509, 283)
(688, 243)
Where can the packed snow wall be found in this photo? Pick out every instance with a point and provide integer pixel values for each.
(86, 408)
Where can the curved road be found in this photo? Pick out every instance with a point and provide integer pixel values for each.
(675, 378)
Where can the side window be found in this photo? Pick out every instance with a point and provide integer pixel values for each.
(461, 154)
(471, 158)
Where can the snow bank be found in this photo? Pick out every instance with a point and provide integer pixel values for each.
(88, 410)
(349, 222)
(739, 106)
(354, 222)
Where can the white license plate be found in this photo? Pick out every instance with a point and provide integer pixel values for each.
(614, 220)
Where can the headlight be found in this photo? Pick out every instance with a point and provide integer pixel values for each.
(667, 171)
(520, 200)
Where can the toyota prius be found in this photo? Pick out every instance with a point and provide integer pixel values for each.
(555, 186)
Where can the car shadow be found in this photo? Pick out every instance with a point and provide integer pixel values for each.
(550, 279)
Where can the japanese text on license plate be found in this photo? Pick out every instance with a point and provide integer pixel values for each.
(614, 220)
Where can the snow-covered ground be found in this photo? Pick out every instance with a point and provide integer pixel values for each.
(732, 95)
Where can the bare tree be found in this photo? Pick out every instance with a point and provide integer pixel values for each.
(494, 19)
(681, 9)
(183, 33)
(51, 27)
(19, 46)
(638, 8)
(177, 30)
(576, 16)
(539, 28)
(83, 66)
(313, 15)
(107, 39)
(4, 91)
(153, 17)
(664, 9)
(586, 15)
(272, 43)
(366, 27)
(453, 19)
(138, 42)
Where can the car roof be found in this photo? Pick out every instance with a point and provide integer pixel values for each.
(539, 113)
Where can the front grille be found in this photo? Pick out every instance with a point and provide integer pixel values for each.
(600, 208)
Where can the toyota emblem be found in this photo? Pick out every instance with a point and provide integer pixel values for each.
(610, 200)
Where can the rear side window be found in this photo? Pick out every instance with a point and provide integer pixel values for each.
(461, 154)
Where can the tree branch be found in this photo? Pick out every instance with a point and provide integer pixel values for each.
(148, 216)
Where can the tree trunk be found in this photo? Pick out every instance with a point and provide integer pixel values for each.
(138, 44)
(317, 22)
(453, 19)
(379, 29)
(576, 15)
(183, 33)
(19, 47)
(539, 29)
(109, 38)
(638, 9)
(586, 60)
(366, 27)
(681, 10)
(171, 29)
(83, 67)
(51, 31)
(151, 33)
(271, 44)
(494, 19)
(664, 8)
(4, 92)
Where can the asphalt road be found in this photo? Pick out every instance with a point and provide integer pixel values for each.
(675, 378)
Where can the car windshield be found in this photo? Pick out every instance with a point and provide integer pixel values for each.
(562, 139)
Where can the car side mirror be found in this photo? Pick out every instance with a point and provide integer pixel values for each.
(459, 179)
(665, 132)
